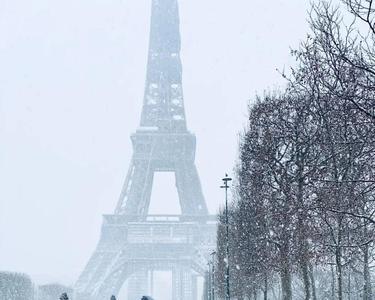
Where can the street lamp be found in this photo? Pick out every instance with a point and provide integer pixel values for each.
(226, 179)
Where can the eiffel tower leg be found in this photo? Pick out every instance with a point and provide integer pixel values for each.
(183, 287)
(138, 285)
(136, 193)
(94, 274)
(194, 287)
(176, 283)
(151, 287)
(189, 189)
(187, 284)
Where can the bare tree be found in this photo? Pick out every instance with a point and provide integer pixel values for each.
(307, 166)
(16, 286)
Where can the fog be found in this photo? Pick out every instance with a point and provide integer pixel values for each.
(71, 90)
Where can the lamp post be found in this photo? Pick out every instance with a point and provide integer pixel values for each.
(226, 179)
(213, 276)
(209, 281)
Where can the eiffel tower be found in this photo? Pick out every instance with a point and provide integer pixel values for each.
(133, 244)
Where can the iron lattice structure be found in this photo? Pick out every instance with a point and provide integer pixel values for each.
(134, 244)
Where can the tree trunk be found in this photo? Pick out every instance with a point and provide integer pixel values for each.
(275, 291)
(339, 273)
(349, 285)
(304, 258)
(305, 278)
(312, 280)
(333, 283)
(255, 294)
(265, 292)
(286, 283)
(367, 292)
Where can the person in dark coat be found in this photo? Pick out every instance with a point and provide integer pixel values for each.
(64, 296)
(113, 297)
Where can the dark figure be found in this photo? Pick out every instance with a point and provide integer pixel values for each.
(64, 296)
(113, 297)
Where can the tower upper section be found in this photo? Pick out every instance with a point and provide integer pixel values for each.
(163, 105)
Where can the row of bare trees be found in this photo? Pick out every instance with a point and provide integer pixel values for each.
(302, 223)
(19, 286)
(16, 286)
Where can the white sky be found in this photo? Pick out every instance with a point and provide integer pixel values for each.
(71, 90)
